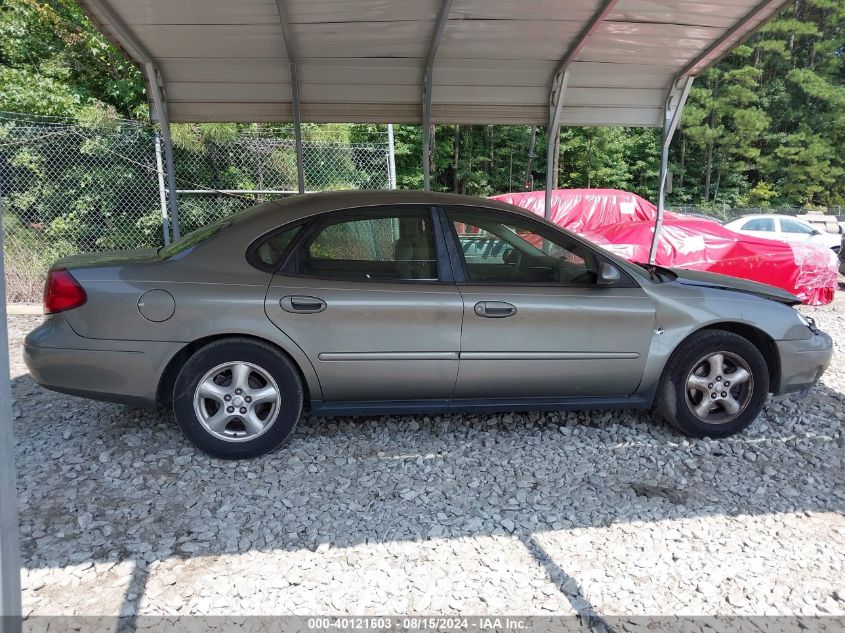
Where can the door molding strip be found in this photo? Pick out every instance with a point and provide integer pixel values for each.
(549, 355)
(352, 356)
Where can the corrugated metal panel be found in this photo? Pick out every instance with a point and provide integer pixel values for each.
(212, 41)
(152, 12)
(716, 14)
(363, 60)
(514, 96)
(199, 111)
(336, 11)
(362, 39)
(399, 72)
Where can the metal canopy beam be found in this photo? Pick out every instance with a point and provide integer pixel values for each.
(584, 36)
(675, 101)
(428, 81)
(763, 11)
(557, 90)
(164, 121)
(290, 50)
(126, 37)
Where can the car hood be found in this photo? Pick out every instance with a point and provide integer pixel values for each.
(724, 282)
(108, 258)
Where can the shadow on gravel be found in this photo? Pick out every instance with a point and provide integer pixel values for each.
(101, 482)
(567, 585)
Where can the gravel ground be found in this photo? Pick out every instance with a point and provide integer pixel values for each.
(589, 513)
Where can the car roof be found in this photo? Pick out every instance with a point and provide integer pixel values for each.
(309, 204)
(754, 216)
(245, 227)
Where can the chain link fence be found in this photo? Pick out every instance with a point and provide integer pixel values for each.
(71, 186)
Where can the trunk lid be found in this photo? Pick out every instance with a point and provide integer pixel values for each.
(108, 258)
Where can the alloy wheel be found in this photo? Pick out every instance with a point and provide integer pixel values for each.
(719, 387)
(237, 401)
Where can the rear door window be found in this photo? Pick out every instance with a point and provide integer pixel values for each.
(372, 245)
(760, 224)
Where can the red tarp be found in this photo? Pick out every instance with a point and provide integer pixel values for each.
(623, 223)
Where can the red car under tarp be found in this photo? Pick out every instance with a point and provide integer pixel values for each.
(623, 223)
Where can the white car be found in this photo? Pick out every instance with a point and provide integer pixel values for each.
(785, 229)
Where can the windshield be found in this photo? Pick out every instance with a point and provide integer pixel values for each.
(193, 238)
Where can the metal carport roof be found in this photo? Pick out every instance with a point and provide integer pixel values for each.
(364, 60)
(556, 62)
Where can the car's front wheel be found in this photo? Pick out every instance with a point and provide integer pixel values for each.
(237, 398)
(714, 385)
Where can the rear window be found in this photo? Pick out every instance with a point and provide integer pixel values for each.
(193, 238)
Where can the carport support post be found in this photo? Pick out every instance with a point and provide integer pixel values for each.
(164, 122)
(162, 196)
(297, 127)
(675, 102)
(428, 82)
(290, 51)
(555, 105)
(391, 158)
(10, 557)
(426, 134)
(560, 80)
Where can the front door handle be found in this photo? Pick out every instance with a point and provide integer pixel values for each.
(302, 304)
(495, 309)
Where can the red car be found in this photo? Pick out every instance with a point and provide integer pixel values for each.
(623, 223)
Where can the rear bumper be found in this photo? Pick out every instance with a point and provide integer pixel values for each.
(802, 363)
(127, 372)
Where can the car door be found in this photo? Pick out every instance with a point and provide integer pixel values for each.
(366, 297)
(536, 323)
(794, 231)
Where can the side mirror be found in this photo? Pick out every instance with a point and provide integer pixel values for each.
(608, 274)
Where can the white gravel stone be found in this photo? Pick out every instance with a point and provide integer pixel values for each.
(583, 512)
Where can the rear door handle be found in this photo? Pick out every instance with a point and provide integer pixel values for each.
(302, 304)
(495, 309)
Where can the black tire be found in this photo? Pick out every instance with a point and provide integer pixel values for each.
(265, 358)
(675, 403)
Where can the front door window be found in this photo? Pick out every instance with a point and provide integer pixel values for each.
(504, 248)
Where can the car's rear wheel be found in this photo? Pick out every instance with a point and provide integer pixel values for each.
(237, 398)
(714, 385)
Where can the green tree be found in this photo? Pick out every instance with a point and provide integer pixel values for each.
(54, 61)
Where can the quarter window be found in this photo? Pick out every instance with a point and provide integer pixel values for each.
(271, 251)
(373, 246)
(501, 248)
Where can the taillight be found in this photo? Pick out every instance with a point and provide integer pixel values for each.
(62, 292)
